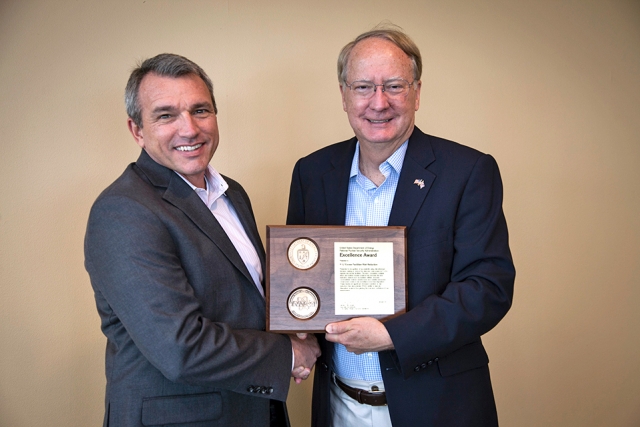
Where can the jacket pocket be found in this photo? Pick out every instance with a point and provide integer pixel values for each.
(181, 409)
(471, 356)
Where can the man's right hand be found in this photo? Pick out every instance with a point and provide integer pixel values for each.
(305, 352)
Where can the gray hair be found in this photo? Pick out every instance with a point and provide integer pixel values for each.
(166, 65)
(389, 32)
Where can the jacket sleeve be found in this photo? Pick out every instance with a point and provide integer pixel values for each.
(148, 305)
(479, 273)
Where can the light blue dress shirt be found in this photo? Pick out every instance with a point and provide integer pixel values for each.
(368, 205)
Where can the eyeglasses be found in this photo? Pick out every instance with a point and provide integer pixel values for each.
(393, 88)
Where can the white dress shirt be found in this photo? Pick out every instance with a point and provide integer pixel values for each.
(221, 207)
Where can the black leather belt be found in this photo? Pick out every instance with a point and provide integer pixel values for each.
(373, 398)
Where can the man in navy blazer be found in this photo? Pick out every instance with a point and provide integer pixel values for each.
(176, 263)
(426, 367)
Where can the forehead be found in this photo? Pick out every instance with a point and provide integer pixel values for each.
(375, 57)
(155, 89)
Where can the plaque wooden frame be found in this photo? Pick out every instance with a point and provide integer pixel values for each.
(283, 278)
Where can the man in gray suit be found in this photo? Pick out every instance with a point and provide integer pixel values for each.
(176, 263)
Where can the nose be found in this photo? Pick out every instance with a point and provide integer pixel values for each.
(188, 126)
(379, 99)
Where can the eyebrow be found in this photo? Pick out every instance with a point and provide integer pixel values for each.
(385, 80)
(170, 108)
(200, 105)
(162, 108)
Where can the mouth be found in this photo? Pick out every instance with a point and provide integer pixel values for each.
(375, 122)
(189, 147)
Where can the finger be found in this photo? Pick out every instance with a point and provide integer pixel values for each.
(338, 327)
(302, 335)
(333, 338)
(331, 328)
(302, 375)
(306, 373)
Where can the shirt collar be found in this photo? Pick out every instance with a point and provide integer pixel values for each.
(216, 186)
(395, 160)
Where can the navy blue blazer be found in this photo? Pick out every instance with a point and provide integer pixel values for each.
(460, 277)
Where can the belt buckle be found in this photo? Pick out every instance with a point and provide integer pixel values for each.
(358, 394)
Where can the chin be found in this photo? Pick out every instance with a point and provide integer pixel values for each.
(381, 139)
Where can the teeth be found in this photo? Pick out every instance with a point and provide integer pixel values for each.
(188, 148)
(379, 121)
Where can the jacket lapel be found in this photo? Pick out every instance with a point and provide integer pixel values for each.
(336, 185)
(414, 182)
(247, 221)
(180, 195)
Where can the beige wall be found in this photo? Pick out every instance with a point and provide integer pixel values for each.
(550, 88)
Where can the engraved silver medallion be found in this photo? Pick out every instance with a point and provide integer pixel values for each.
(303, 303)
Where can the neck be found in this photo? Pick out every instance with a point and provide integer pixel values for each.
(370, 161)
(373, 154)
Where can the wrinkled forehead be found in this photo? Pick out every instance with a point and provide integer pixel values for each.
(376, 58)
(165, 92)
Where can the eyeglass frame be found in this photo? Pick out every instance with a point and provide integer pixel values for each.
(375, 86)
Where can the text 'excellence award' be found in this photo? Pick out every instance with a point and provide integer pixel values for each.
(322, 274)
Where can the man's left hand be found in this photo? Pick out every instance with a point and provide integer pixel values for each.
(360, 335)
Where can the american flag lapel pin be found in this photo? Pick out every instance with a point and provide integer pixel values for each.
(419, 183)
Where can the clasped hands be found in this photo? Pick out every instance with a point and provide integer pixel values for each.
(359, 335)
(305, 352)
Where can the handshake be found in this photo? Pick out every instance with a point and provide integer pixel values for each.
(305, 352)
(358, 335)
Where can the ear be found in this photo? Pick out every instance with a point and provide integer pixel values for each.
(344, 103)
(419, 83)
(136, 131)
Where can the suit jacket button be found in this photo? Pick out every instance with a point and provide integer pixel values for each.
(430, 362)
(436, 359)
(270, 390)
(417, 368)
(424, 365)
(251, 389)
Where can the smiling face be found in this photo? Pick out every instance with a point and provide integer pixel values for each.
(179, 127)
(381, 122)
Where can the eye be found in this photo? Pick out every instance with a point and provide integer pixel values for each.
(361, 86)
(395, 86)
(201, 112)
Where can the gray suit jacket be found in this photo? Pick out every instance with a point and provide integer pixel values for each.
(183, 319)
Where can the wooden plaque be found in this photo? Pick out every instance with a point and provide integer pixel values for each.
(304, 291)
